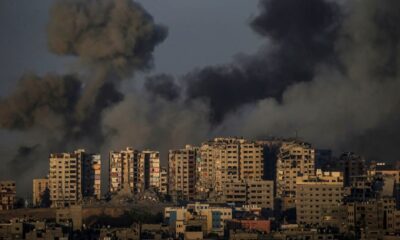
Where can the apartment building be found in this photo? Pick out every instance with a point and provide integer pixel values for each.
(149, 168)
(294, 159)
(392, 174)
(372, 218)
(73, 176)
(164, 180)
(353, 166)
(182, 172)
(91, 175)
(229, 159)
(122, 176)
(7, 195)
(256, 192)
(316, 194)
(251, 161)
(134, 171)
(40, 186)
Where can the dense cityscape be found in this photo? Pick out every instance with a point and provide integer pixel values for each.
(226, 188)
(202, 119)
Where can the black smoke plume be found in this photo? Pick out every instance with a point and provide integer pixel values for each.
(302, 33)
(350, 105)
(164, 86)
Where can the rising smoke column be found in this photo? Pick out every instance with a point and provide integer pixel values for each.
(352, 106)
(300, 34)
(329, 73)
(110, 41)
(114, 38)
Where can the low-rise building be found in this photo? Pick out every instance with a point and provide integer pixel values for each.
(296, 232)
(214, 217)
(13, 229)
(249, 225)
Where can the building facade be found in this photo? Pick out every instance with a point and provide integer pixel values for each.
(353, 166)
(229, 159)
(259, 193)
(164, 180)
(182, 172)
(316, 194)
(40, 186)
(294, 159)
(134, 171)
(91, 175)
(72, 177)
(212, 218)
(373, 218)
(7, 195)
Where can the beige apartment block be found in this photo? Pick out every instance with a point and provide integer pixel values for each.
(256, 192)
(295, 159)
(73, 176)
(316, 195)
(7, 195)
(182, 172)
(251, 161)
(134, 171)
(40, 185)
(229, 159)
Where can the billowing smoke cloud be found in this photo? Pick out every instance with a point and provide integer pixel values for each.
(153, 122)
(301, 34)
(164, 86)
(351, 107)
(110, 40)
(113, 37)
(119, 35)
(329, 73)
(37, 99)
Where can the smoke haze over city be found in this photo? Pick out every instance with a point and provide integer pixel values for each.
(323, 70)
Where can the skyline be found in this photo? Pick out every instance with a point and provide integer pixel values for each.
(320, 72)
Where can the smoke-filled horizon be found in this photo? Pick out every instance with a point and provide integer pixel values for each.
(327, 72)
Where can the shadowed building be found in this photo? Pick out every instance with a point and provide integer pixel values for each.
(182, 172)
(7, 195)
(40, 186)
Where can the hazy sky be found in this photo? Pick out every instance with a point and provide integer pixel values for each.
(200, 33)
